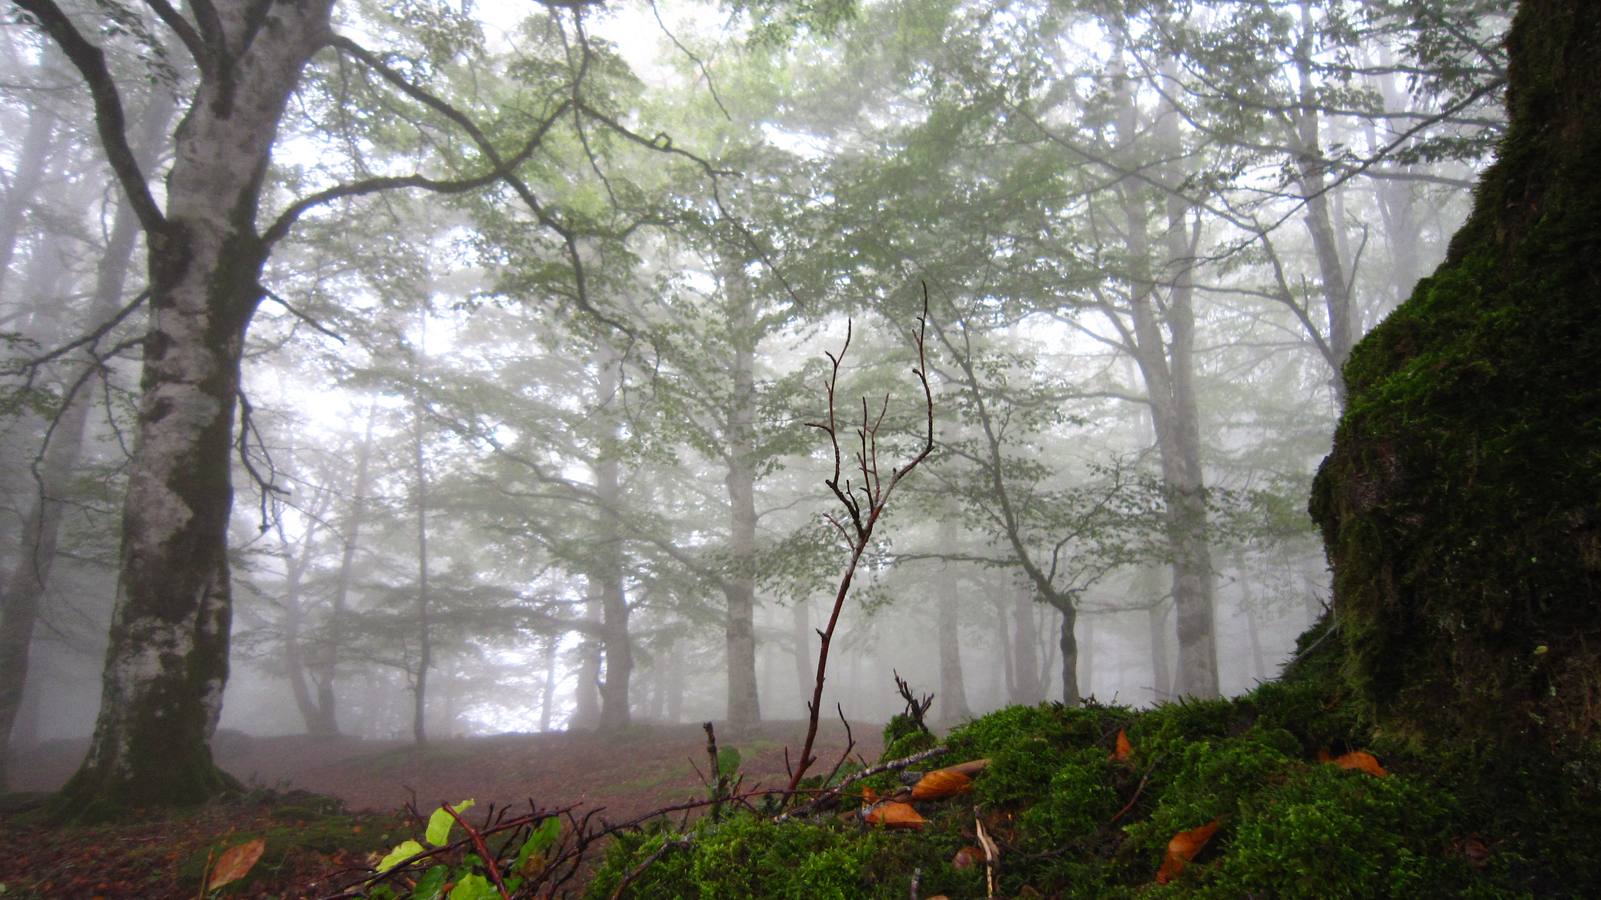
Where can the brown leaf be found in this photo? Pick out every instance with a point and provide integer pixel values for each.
(236, 863)
(971, 768)
(1361, 761)
(1124, 748)
(894, 814)
(1182, 848)
(938, 785)
(968, 857)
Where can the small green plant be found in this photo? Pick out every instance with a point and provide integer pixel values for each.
(464, 867)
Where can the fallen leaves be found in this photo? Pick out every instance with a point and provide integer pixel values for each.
(1124, 749)
(895, 814)
(1182, 848)
(235, 863)
(1360, 760)
(940, 784)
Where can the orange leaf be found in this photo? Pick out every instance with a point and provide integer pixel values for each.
(1124, 748)
(940, 784)
(1323, 755)
(894, 814)
(869, 795)
(1182, 848)
(236, 863)
(969, 768)
(1362, 761)
(968, 857)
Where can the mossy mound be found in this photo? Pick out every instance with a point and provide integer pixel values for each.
(1461, 506)
(1073, 821)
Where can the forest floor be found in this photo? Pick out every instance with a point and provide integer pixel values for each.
(161, 856)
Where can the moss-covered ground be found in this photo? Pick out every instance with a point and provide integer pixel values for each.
(1070, 820)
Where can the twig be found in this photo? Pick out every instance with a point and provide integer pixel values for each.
(916, 708)
(492, 863)
(640, 869)
(876, 493)
(716, 781)
(1139, 788)
(830, 793)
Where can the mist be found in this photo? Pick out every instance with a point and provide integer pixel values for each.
(541, 455)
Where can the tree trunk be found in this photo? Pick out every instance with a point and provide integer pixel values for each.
(167, 656)
(1067, 642)
(586, 691)
(425, 638)
(952, 694)
(614, 711)
(1025, 658)
(547, 704)
(325, 669)
(739, 585)
(1459, 505)
(26, 176)
(1167, 367)
(800, 638)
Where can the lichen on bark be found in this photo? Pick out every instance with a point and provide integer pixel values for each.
(1461, 505)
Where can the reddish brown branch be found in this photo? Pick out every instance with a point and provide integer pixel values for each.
(877, 495)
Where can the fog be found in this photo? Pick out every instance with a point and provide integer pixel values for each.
(502, 466)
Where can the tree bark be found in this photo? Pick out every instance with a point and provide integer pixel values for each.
(614, 709)
(1025, 658)
(952, 694)
(739, 585)
(325, 667)
(1167, 366)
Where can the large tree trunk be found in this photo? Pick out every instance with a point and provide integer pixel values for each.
(1461, 504)
(739, 585)
(167, 657)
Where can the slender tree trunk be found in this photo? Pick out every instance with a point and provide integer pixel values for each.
(1168, 368)
(614, 711)
(1025, 659)
(739, 586)
(675, 688)
(294, 622)
(325, 670)
(586, 692)
(800, 636)
(1067, 643)
(1086, 659)
(425, 645)
(32, 159)
(547, 703)
(952, 693)
(1003, 640)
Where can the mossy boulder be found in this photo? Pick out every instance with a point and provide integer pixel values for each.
(1461, 505)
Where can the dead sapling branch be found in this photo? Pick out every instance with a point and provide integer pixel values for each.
(916, 707)
(863, 505)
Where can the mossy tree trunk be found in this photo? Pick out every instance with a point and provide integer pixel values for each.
(1461, 505)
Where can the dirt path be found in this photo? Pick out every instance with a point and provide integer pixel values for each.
(645, 768)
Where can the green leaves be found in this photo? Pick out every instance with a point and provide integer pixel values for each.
(439, 823)
(403, 851)
(532, 853)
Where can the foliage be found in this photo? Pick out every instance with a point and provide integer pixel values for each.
(1225, 798)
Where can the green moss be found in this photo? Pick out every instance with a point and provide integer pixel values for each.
(1461, 506)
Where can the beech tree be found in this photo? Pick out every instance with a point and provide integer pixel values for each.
(208, 244)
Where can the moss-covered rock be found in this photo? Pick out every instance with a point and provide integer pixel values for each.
(1461, 505)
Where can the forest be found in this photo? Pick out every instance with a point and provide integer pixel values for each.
(1147, 419)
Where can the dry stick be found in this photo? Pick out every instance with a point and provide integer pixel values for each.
(891, 766)
(877, 495)
(640, 869)
(714, 778)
